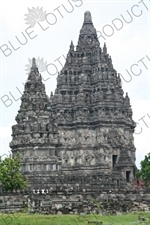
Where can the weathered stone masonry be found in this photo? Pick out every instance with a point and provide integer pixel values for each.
(85, 126)
(69, 202)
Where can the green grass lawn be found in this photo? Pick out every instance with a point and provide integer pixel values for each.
(36, 219)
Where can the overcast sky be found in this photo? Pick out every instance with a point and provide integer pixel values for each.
(123, 26)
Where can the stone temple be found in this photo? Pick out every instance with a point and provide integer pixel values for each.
(85, 129)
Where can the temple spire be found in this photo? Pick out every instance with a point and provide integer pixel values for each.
(87, 17)
(34, 72)
(88, 35)
(34, 63)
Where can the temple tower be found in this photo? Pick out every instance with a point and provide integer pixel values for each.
(94, 116)
(35, 135)
(86, 125)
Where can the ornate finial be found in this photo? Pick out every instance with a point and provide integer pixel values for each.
(33, 63)
(71, 46)
(87, 17)
(105, 48)
(87, 28)
(127, 98)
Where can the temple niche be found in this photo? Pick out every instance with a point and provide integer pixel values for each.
(86, 125)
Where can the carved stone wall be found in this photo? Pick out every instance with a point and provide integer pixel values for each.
(86, 125)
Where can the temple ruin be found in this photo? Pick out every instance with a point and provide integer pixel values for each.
(84, 131)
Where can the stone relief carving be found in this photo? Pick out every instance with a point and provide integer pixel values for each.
(115, 138)
(89, 159)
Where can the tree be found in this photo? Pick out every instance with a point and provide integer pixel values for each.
(10, 175)
(144, 172)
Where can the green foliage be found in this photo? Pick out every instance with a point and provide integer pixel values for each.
(144, 172)
(10, 175)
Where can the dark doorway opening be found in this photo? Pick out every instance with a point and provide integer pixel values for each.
(114, 160)
(128, 176)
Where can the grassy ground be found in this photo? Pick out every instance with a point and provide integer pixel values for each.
(25, 219)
